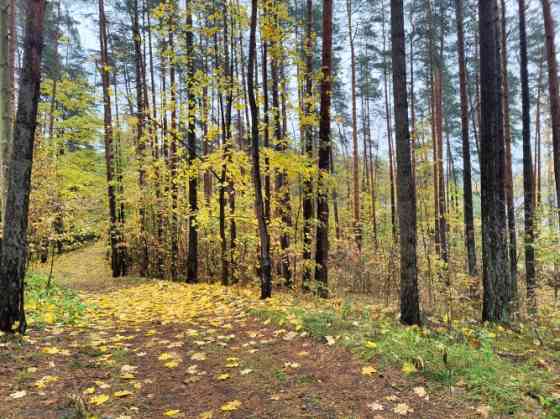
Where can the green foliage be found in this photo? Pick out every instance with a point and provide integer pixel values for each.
(50, 305)
(465, 357)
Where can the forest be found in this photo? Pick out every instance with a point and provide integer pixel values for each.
(279, 209)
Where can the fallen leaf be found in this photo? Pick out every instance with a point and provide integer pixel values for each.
(51, 350)
(369, 371)
(172, 413)
(330, 340)
(374, 406)
(246, 371)
(370, 345)
(198, 356)
(223, 377)
(483, 411)
(122, 393)
(403, 409)
(89, 390)
(231, 406)
(97, 400)
(421, 392)
(18, 394)
(408, 368)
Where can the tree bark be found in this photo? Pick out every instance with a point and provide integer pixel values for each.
(508, 161)
(496, 275)
(192, 256)
(140, 124)
(265, 261)
(355, 159)
(553, 91)
(467, 170)
(406, 190)
(322, 238)
(14, 247)
(389, 134)
(308, 148)
(528, 184)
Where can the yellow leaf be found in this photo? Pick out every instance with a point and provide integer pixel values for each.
(198, 356)
(408, 368)
(206, 415)
(122, 393)
(403, 409)
(172, 364)
(231, 406)
(51, 350)
(97, 400)
(368, 371)
(223, 377)
(172, 413)
(89, 390)
(165, 356)
(371, 345)
(49, 317)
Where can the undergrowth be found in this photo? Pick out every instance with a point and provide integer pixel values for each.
(49, 303)
(464, 359)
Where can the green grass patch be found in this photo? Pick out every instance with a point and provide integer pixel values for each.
(468, 356)
(50, 304)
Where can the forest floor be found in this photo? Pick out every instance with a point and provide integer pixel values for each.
(131, 348)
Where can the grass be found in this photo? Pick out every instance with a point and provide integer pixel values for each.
(468, 356)
(50, 304)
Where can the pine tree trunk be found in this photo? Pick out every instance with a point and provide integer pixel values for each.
(406, 198)
(508, 161)
(192, 256)
(496, 275)
(528, 184)
(308, 148)
(282, 187)
(553, 91)
(467, 170)
(322, 238)
(173, 158)
(389, 135)
(355, 159)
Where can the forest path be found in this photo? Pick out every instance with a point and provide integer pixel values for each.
(149, 349)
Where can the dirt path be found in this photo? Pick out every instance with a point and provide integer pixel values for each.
(149, 349)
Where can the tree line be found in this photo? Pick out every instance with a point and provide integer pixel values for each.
(315, 145)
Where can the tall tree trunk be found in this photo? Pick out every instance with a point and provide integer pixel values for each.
(14, 250)
(528, 184)
(173, 158)
(192, 256)
(508, 161)
(7, 86)
(410, 310)
(355, 159)
(553, 91)
(308, 147)
(118, 252)
(467, 182)
(282, 187)
(538, 136)
(140, 124)
(322, 238)
(266, 119)
(265, 261)
(389, 134)
(496, 275)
